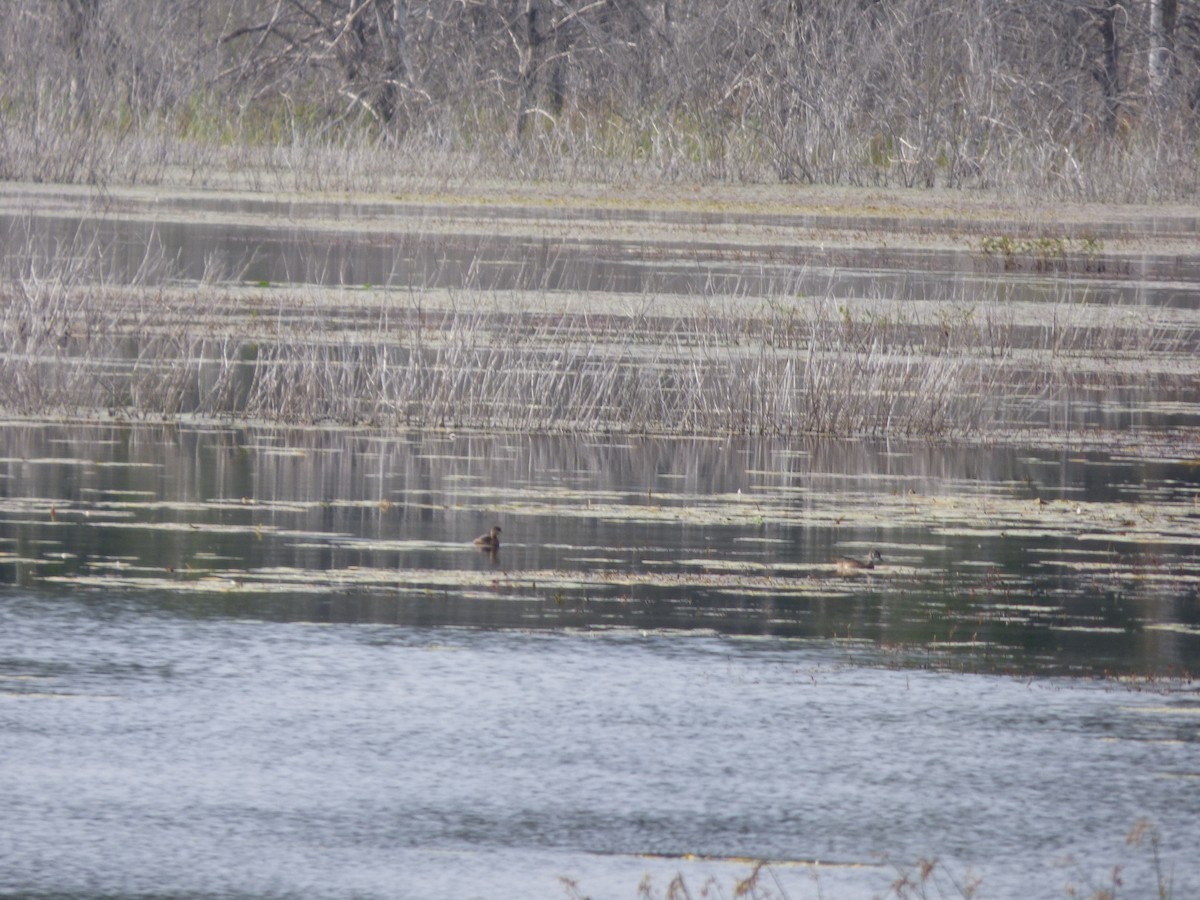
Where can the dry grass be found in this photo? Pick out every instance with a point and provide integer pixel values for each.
(76, 339)
(484, 360)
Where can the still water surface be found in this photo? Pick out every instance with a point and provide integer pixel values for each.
(802, 247)
(258, 662)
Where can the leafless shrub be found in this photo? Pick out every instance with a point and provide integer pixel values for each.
(1078, 98)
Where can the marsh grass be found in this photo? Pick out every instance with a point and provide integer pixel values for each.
(144, 352)
(929, 878)
(539, 360)
(473, 368)
(283, 151)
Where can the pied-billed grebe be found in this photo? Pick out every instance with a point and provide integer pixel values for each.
(489, 541)
(848, 566)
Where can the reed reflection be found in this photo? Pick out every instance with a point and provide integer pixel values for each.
(994, 556)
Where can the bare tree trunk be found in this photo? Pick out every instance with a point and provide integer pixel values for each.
(393, 33)
(82, 21)
(558, 72)
(1108, 71)
(531, 58)
(1161, 63)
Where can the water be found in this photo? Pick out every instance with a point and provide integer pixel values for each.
(995, 559)
(259, 662)
(154, 753)
(1139, 261)
(1074, 326)
(243, 661)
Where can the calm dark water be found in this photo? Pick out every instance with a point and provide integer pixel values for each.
(491, 248)
(255, 662)
(996, 559)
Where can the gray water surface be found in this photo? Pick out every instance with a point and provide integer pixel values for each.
(151, 753)
(391, 243)
(240, 662)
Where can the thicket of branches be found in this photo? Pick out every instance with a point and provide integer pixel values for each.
(1091, 98)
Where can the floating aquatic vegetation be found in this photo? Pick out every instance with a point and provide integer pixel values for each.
(365, 527)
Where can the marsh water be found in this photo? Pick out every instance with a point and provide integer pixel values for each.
(261, 662)
(439, 305)
(256, 661)
(1143, 259)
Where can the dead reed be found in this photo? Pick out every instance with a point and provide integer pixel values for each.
(74, 341)
(532, 362)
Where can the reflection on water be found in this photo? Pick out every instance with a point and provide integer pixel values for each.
(994, 558)
(465, 309)
(538, 247)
